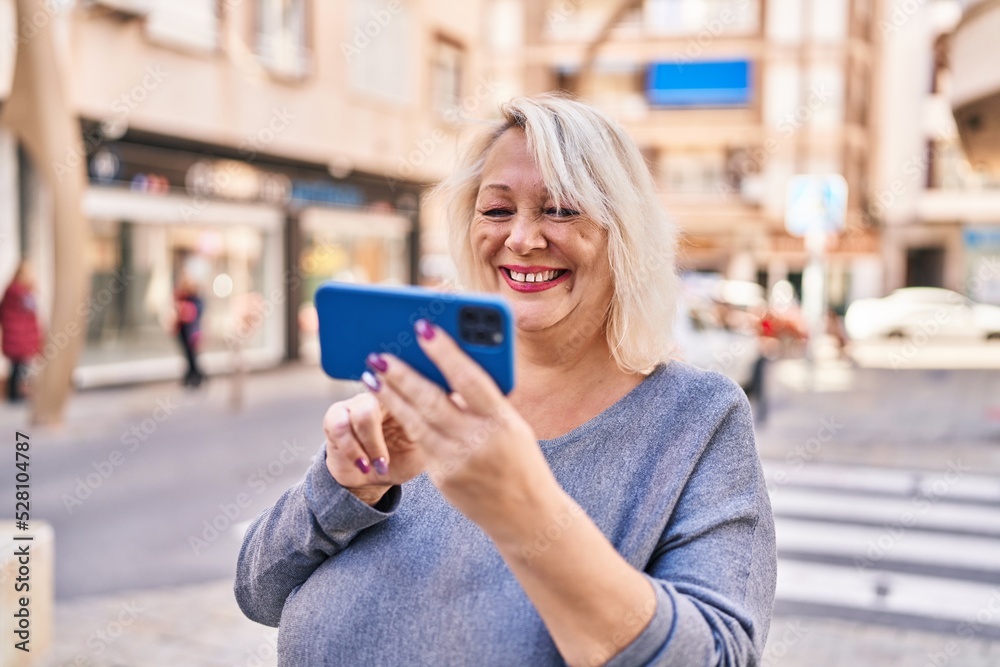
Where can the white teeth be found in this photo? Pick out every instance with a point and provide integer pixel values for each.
(541, 277)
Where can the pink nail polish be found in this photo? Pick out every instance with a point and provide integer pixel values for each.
(362, 465)
(424, 329)
(377, 362)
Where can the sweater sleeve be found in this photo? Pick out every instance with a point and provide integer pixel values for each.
(312, 521)
(714, 568)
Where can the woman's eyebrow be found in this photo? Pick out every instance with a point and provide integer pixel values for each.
(503, 188)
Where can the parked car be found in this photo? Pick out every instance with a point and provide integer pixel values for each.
(929, 311)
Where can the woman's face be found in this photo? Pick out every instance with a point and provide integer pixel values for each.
(551, 264)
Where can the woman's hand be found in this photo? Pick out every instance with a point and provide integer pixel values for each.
(479, 451)
(367, 451)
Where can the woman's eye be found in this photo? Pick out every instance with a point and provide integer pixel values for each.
(497, 213)
(561, 212)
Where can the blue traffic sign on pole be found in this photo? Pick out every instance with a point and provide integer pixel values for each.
(816, 204)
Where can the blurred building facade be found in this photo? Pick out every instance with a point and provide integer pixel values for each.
(257, 147)
(940, 209)
(975, 94)
(727, 99)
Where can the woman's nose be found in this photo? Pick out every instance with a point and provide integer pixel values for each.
(525, 235)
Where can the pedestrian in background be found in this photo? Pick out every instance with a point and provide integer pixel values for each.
(22, 338)
(189, 306)
(612, 510)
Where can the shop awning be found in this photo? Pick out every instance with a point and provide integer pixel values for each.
(117, 204)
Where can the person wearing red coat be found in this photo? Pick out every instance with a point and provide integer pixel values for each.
(21, 335)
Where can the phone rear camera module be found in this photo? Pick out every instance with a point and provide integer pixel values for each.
(480, 325)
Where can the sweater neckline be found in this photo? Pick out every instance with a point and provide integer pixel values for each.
(609, 412)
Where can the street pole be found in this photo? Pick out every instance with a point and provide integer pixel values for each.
(814, 292)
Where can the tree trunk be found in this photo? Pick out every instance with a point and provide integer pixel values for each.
(40, 112)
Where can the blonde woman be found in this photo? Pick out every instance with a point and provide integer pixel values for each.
(610, 511)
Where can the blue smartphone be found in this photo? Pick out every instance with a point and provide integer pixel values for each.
(355, 320)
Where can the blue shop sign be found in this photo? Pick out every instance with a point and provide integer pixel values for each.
(710, 83)
(329, 194)
(981, 238)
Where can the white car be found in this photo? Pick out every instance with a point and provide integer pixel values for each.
(930, 311)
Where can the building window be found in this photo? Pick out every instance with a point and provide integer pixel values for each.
(281, 38)
(379, 49)
(186, 24)
(693, 173)
(446, 77)
(689, 17)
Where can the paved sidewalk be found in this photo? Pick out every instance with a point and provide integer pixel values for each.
(907, 418)
(101, 411)
(910, 418)
(201, 626)
(813, 642)
(191, 626)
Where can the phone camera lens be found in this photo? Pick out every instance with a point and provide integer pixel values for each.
(481, 325)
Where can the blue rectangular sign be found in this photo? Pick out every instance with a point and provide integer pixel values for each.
(715, 83)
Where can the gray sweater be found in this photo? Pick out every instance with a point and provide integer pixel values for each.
(670, 475)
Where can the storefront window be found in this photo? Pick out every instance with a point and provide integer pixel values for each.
(347, 247)
(136, 268)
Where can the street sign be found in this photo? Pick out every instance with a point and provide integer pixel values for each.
(816, 204)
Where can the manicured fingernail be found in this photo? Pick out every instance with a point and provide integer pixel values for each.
(377, 362)
(371, 381)
(362, 465)
(381, 466)
(424, 329)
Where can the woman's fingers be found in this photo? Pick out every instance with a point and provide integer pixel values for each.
(426, 400)
(345, 458)
(464, 375)
(407, 416)
(347, 453)
(366, 423)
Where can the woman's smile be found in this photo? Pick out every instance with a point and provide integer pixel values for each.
(533, 278)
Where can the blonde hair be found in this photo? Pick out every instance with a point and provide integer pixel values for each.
(587, 160)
